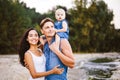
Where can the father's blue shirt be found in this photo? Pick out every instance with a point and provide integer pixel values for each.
(52, 60)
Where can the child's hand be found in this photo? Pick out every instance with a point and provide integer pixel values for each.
(56, 30)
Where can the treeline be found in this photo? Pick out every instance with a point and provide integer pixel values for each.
(15, 17)
(91, 29)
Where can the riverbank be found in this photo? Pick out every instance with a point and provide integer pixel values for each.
(81, 59)
(11, 69)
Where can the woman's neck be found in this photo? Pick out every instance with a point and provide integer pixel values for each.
(34, 47)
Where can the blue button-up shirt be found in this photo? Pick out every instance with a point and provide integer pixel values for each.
(52, 60)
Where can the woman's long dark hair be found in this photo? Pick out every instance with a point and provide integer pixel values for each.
(24, 46)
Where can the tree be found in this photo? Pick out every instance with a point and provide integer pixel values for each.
(15, 17)
(90, 26)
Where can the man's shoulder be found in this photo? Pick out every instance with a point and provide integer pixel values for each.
(64, 41)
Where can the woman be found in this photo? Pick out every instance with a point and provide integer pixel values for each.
(34, 57)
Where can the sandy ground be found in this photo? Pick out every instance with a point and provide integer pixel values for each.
(11, 69)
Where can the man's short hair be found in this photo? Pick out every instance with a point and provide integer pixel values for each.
(44, 21)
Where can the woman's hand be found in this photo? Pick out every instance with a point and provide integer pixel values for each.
(57, 70)
(42, 39)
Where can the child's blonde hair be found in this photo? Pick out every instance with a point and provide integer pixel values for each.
(60, 10)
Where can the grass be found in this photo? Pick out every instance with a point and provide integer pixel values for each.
(102, 60)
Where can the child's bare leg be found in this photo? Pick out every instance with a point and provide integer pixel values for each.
(57, 40)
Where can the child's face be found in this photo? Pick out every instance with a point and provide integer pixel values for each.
(60, 15)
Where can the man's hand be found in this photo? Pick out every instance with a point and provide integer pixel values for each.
(54, 47)
(66, 54)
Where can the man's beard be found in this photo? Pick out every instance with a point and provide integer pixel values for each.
(50, 36)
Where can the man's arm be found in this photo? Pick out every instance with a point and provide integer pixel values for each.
(66, 55)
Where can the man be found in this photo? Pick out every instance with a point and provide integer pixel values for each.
(56, 55)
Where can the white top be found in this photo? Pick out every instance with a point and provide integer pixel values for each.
(39, 64)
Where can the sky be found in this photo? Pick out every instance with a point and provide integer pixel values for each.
(42, 6)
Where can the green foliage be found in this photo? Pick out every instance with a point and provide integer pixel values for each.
(15, 17)
(90, 27)
(102, 60)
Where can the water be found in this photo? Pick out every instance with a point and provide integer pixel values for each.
(100, 70)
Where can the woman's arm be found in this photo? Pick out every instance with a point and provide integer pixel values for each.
(34, 74)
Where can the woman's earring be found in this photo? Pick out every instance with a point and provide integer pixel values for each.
(26, 39)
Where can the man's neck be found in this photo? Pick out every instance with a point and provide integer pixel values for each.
(49, 39)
